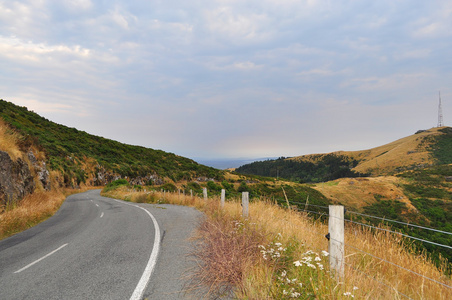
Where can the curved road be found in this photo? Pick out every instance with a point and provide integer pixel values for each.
(100, 248)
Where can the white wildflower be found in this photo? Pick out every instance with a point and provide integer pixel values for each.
(297, 263)
(324, 253)
(311, 266)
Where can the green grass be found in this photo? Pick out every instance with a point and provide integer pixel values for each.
(328, 167)
(442, 149)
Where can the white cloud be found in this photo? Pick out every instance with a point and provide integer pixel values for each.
(79, 5)
(26, 19)
(391, 82)
(121, 18)
(236, 27)
(437, 24)
(16, 49)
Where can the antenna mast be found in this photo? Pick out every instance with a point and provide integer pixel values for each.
(440, 112)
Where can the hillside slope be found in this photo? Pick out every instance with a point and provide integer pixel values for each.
(406, 153)
(420, 150)
(84, 158)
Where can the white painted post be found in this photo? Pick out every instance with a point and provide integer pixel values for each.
(191, 193)
(336, 243)
(204, 192)
(245, 204)
(223, 196)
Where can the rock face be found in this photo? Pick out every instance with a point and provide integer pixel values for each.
(41, 171)
(16, 180)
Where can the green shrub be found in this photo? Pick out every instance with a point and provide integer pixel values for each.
(194, 186)
(169, 187)
(115, 184)
(212, 186)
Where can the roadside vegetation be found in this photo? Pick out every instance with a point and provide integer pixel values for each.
(280, 253)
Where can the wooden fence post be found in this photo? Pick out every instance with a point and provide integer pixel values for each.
(223, 196)
(245, 204)
(336, 239)
(204, 192)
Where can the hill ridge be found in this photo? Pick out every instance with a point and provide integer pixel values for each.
(419, 150)
(387, 158)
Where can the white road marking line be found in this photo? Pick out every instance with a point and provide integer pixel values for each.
(97, 205)
(38, 260)
(102, 214)
(144, 280)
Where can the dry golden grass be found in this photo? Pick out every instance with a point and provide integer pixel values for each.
(383, 160)
(30, 211)
(359, 192)
(33, 209)
(9, 141)
(229, 260)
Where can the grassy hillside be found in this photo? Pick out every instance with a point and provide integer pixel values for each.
(80, 156)
(425, 148)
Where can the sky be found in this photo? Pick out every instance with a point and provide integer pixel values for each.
(231, 78)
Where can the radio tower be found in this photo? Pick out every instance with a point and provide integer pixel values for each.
(440, 112)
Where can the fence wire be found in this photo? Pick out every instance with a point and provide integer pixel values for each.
(399, 222)
(396, 265)
(378, 228)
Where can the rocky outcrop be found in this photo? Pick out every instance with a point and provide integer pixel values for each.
(153, 179)
(16, 180)
(103, 177)
(41, 171)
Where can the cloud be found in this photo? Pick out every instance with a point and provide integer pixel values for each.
(79, 5)
(16, 49)
(230, 77)
(392, 82)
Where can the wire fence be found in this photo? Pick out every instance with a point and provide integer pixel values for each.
(324, 212)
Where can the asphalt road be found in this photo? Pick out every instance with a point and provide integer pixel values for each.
(100, 248)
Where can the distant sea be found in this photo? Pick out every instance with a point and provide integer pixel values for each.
(227, 163)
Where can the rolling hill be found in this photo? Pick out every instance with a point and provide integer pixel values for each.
(420, 150)
(414, 151)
